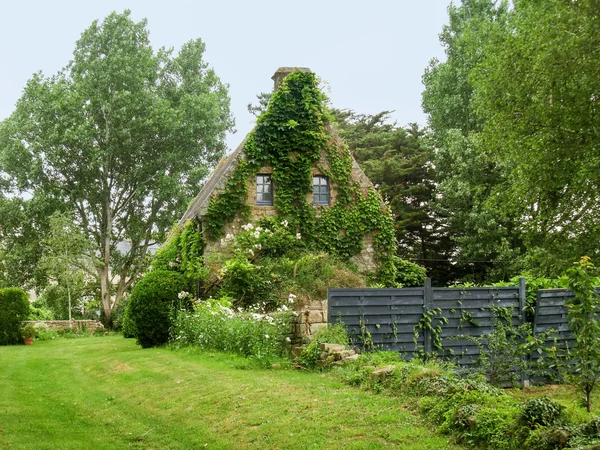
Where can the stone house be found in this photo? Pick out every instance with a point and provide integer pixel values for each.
(262, 192)
(346, 211)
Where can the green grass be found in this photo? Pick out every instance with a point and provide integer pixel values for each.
(108, 393)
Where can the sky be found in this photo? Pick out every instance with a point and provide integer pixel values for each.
(371, 55)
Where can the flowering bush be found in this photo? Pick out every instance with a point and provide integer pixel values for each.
(217, 325)
(266, 261)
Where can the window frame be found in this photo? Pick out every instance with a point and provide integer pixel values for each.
(263, 176)
(319, 193)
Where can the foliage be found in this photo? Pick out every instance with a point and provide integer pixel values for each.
(67, 260)
(183, 253)
(122, 136)
(409, 274)
(542, 412)
(290, 137)
(152, 302)
(332, 334)
(23, 223)
(215, 325)
(14, 308)
(127, 324)
(426, 324)
(585, 326)
(398, 160)
(513, 115)
(469, 408)
(485, 245)
(268, 263)
(28, 331)
(38, 310)
(543, 127)
(504, 355)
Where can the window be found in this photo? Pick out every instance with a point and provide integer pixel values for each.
(264, 190)
(320, 190)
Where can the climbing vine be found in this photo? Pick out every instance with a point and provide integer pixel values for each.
(290, 138)
(183, 253)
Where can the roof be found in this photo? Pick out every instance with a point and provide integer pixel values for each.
(215, 184)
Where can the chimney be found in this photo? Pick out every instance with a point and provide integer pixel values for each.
(283, 72)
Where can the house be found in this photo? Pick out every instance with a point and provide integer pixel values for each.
(295, 167)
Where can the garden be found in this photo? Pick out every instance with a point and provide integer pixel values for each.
(221, 363)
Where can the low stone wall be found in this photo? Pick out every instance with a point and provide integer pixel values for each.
(90, 325)
(309, 320)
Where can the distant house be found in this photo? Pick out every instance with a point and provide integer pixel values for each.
(294, 166)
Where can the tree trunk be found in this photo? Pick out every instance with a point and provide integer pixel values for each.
(104, 271)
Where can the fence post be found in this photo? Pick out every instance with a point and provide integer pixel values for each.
(427, 304)
(522, 299)
(522, 305)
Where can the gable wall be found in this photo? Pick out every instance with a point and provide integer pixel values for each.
(365, 260)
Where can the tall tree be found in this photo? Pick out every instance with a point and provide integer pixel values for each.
(537, 88)
(399, 161)
(486, 245)
(123, 136)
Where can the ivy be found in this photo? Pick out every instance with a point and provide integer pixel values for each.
(290, 138)
(183, 253)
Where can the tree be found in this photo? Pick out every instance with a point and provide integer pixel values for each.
(67, 259)
(399, 162)
(537, 89)
(487, 244)
(582, 315)
(122, 136)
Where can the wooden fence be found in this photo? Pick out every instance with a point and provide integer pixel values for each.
(389, 318)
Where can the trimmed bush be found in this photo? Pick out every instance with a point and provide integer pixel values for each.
(127, 325)
(152, 303)
(14, 308)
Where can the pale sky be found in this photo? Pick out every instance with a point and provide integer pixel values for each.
(371, 54)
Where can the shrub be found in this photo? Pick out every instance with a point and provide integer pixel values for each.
(14, 308)
(127, 325)
(542, 411)
(153, 300)
(332, 334)
(215, 325)
(409, 274)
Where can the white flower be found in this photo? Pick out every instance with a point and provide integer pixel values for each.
(284, 223)
(182, 295)
(298, 236)
(257, 246)
(266, 336)
(258, 229)
(248, 226)
(229, 236)
(256, 234)
(172, 264)
(268, 231)
(251, 252)
(287, 339)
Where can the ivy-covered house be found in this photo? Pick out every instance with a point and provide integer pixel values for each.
(294, 167)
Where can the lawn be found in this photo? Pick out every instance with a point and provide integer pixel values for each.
(108, 393)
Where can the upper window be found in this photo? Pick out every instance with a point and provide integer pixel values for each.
(320, 190)
(264, 190)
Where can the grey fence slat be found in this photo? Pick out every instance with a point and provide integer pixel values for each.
(390, 315)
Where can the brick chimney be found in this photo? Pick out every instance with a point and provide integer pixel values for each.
(283, 72)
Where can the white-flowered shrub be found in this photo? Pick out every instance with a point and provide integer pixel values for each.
(217, 325)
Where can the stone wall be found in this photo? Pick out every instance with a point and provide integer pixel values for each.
(89, 325)
(309, 320)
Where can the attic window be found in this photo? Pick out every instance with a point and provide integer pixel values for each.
(320, 190)
(264, 190)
